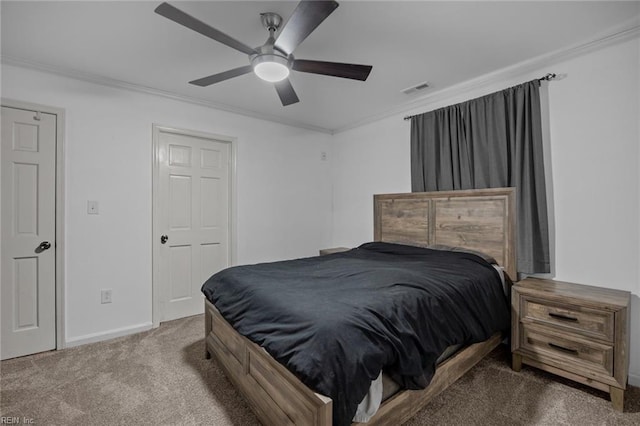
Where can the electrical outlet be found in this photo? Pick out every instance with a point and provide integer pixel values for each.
(105, 295)
(323, 156)
(92, 207)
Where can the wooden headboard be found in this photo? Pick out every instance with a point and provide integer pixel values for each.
(479, 219)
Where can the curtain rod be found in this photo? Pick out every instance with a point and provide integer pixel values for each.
(550, 76)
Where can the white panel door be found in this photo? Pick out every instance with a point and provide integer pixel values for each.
(193, 227)
(28, 232)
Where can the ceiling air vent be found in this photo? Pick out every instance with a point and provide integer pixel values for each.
(416, 88)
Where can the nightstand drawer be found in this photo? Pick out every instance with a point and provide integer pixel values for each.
(596, 323)
(567, 351)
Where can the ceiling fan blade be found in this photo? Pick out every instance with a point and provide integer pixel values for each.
(285, 91)
(307, 16)
(176, 15)
(216, 78)
(334, 69)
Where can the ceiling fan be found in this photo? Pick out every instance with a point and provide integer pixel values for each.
(274, 59)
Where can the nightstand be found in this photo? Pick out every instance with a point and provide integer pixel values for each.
(324, 252)
(575, 331)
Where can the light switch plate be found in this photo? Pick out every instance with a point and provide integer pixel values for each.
(105, 295)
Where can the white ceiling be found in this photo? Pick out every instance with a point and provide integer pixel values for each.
(443, 43)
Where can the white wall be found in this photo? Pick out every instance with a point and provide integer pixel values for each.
(283, 205)
(593, 175)
(290, 203)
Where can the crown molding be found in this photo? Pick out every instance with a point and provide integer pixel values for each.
(622, 33)
(120, 84)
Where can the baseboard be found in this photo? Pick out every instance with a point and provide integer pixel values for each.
(106, 335)
(634, 379)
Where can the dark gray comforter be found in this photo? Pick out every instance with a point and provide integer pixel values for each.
(335, 321)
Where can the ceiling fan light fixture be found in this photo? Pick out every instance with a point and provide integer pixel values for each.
(271, 68)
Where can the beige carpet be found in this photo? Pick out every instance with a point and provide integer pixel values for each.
(160, 377)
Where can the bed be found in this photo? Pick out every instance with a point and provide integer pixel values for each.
(482, 220)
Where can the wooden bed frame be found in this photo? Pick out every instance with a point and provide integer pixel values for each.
(477, 219)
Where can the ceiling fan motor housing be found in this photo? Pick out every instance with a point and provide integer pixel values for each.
(269, 52)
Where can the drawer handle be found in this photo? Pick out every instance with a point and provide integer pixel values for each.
(562, 348)
(563, 317)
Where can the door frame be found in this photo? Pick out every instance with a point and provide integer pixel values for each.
(59, 209)
(155, 230)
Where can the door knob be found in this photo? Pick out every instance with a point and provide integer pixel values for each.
(164, 239)
(45, 245)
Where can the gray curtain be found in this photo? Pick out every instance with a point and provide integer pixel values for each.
(490, 142)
